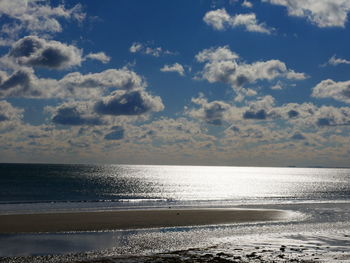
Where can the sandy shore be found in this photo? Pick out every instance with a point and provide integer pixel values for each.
(131, 219)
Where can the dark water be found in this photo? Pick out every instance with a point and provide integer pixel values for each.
(51, 182)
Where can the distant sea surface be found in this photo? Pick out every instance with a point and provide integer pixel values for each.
(30, 187)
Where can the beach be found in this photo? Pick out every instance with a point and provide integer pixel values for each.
(243, 234)
(131, 219)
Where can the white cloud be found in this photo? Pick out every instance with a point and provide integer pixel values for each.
(155, 52)
(9, 113)
(10, 118)
(74, 114)
(222, 65)
(176, 67)
(135, 47)
(35, 17)
(308, 115)
(214, 112)
(116, 78)
(100, 56)
(305, 116)
(250, 23)
(220, 71)
(330, 89)
(278, 86)
(263, 103)
(219, 19)
(128, 103)
(24, 83)
(334, 61)
(216, 54)
(323, 13)
(291, 74)
(327, 116)
(37, 52)
(247, 4)
(18, 83)
(220, 112)
(146, 49)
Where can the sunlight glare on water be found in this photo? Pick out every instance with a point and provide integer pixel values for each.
(229, 183)
(38, 183)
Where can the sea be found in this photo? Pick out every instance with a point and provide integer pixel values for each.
(318, 200)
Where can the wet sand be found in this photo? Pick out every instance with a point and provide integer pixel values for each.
(131, 219)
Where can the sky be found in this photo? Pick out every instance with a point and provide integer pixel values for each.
(206, 82)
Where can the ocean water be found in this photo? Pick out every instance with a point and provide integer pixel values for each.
(49, 183)
(319, 199)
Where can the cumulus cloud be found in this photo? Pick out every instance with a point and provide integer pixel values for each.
(295, 112)
(222, 65)
(19, 83)
(35, 16)
(265, 102)
(334, 61)
(247, 4)
(146, 49)
(118, 78)
(305, 116)
(250, 23)
(136, 47)
(176, 67)
(10, 119)
(278, 86)
(136, 102)
(37, 52)
(219, 19)
(73, 114)
(24, 83)
(9, 113)
(214, 113)
(260, 109)
(218, 112)
(330, 89)
(332, 116)
(308, 115)
(216, 54)
(100, 56)
(325, 13)
(18, 78)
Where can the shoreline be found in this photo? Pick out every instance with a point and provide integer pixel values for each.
(132, 219)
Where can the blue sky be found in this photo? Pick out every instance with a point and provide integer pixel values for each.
(237, 82)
